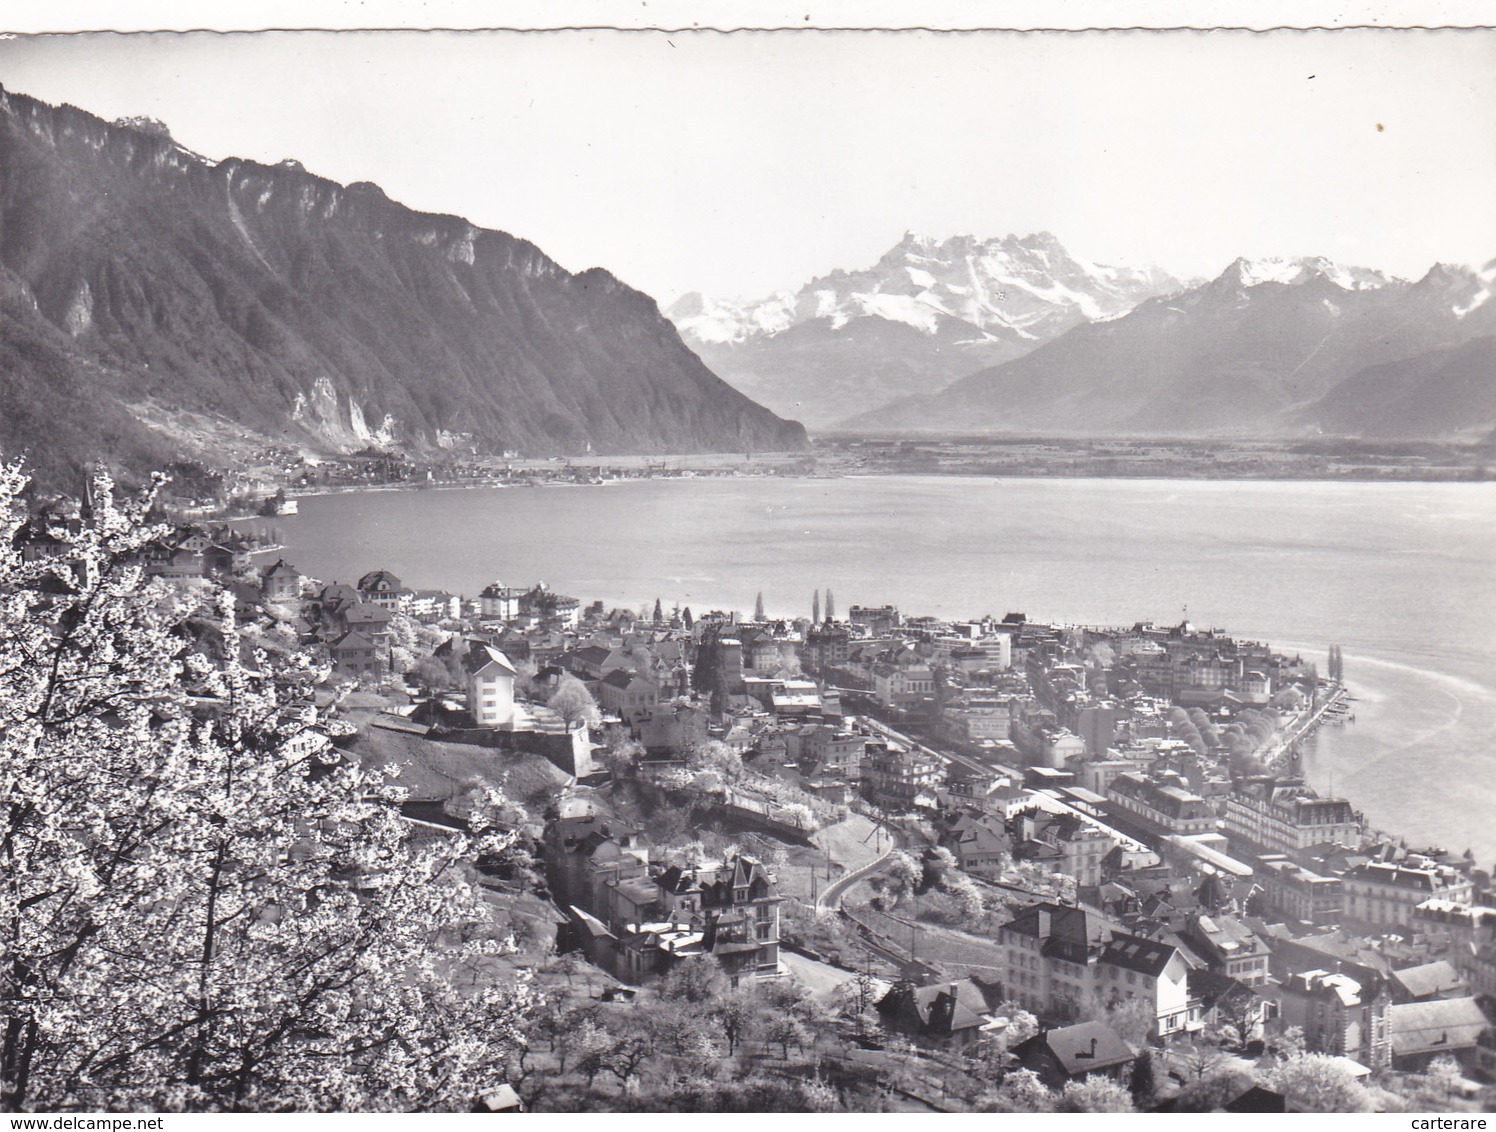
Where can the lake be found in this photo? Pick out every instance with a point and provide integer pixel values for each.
(1399, 574)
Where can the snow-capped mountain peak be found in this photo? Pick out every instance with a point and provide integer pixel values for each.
(927, 311)
(1018, 288)
(726, 321)
(1245, 272)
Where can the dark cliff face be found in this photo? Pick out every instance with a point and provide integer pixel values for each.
(142, 284)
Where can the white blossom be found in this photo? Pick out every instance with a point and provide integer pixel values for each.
(192, 916)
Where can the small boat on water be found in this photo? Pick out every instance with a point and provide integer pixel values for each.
(1338, 713)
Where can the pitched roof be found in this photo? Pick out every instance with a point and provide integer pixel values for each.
(339, 593)
(941, 1009)
(1224, 934)
(481, 656)
(1429, 979)
(678, 880)
(591, 829)
(1082, 1048)
(980, 839)
(946, 1012)
(1444, 1024)
(1258, 1099)
(366, 613)
(1397, 876)
(1341, 986)
(622, 679)
(1048, 920)
(1136, 953)
(381, 580)
(1210, 987)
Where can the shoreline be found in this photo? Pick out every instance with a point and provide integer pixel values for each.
(989, 477)
(1298, 733)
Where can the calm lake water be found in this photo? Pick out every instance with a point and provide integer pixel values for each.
(1403, 576)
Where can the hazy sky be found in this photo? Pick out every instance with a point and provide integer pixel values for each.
(740, 164)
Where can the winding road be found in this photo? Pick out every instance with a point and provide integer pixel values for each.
(830, 899)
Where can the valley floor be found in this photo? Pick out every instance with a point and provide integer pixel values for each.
(1164, 459)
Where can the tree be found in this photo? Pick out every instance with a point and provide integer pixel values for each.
(830, 606)
(1205, 727)
(903, 876)
(1200, 1058)
(815, 608)
(573, 702)
(1133, 1019)
(1101, 654)
(1240, 1013)
(622, 755)
(1434, 1088)
(1214, 1091)
(785, 1030)
(550, 1020)
(936, 862)
(856, 995)
(970, 906)
(715, 757)
(1289, 1043)
(736, 1013)
(1021, 1091)
(1443, 1075)
(758, 608)
(1095, 1094)
(797, 814)
(195, 913)
(696, 979)
(432, 674)
(1143, 1080)
(1316, 1082)
(659, 612)
(709, 673)
(624, 1057)
(995, 1050)
(571, 964)
(684, 1034)
(786, 996)
(589, 1045)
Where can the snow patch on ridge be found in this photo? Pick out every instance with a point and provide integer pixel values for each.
(79, 316)
(899, 308)
(236, 218)
(462, 249)
(1476, 300)
(1274, 269)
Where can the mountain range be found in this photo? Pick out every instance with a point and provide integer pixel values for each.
(157, 304)
(1269, 348)
(928, 312)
